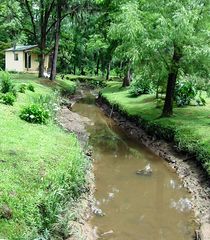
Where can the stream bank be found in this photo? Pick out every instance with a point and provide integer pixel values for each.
(75, 123)
(189, 171)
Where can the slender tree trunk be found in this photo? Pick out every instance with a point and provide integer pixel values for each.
(157, 89)
(127, 78)
(108, 71)
(42, 44)
(74, 69)
(56, 46)
(172, 77)
(97, 66)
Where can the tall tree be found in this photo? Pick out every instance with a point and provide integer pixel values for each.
(37, 21)
(171, 33)
(127, 30)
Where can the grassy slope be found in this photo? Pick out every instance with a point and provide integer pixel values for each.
(190, 125)
(41, 168)
(92, 81)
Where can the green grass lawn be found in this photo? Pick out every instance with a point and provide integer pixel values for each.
(42, 168)
(92, 81)
(190, 126)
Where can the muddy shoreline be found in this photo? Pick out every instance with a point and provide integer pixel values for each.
(190, 172)
(80, 227)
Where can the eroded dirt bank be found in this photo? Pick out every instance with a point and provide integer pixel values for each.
(189, 171)
(80, 228)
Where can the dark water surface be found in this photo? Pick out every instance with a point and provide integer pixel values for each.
(136, 207)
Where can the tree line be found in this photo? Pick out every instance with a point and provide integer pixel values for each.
(152, 41)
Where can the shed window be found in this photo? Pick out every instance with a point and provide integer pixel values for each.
(16, 56)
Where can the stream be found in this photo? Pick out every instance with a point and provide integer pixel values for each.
(135, 207)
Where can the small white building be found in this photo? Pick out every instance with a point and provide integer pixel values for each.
(24, 59)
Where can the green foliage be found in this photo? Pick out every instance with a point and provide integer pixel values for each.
(208, 90)
(45, 169)
(185, 92)
(8, 98)
(35, 113)
(22, 88)
(31, 88)
(51, 102)
(6, 82)
(140, 86)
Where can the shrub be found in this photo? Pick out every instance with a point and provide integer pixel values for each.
(140, 86)
(50, 102)
(185, 92)
(31, 88)
(6, 83)
(8, 98)
(23, 88)
(35, 113)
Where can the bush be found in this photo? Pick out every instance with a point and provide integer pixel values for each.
(23, 88)
(31, 88)
(140, 86)
(8, 98)
(6, 83)
(50, 102)
(35, 113)
(185, 92)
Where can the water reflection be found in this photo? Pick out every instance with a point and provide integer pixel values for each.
(136, 207)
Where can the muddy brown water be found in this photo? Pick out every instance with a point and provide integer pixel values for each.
(136, 207)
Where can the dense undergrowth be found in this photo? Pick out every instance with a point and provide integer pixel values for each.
(189, 127)
(42, 171)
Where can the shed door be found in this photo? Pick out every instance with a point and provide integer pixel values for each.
(27, 60)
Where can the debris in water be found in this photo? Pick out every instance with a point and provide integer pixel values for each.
(98, 211)
(147, 171)
(106, 233)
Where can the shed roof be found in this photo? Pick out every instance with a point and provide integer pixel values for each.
(21, 48)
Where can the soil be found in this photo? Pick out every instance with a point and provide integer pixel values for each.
(193, 176)
(74, 123)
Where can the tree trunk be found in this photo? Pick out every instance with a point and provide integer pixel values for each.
(172, 77)
(56, 44)
(74, 69)
(97, 66)
(127, 78)
(108, 71)
(42, 47)
(41, 64)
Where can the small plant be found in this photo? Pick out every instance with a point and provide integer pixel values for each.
(8, 98)
(35, 113)
(140, 86)
(50, 102)
(31, 88)
(23, 88)
(6, 83)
